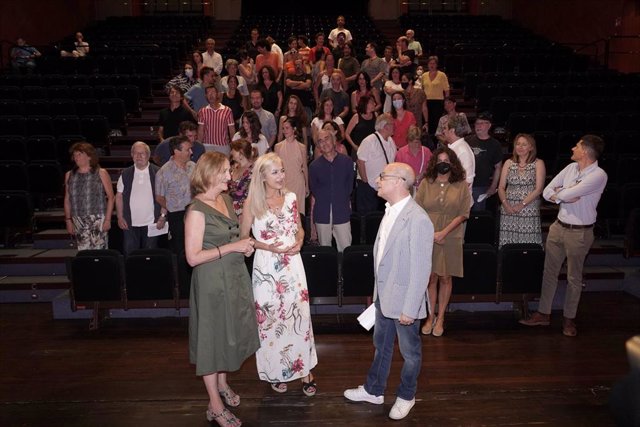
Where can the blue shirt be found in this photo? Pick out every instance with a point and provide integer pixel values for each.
(196, 97)
(331, 184)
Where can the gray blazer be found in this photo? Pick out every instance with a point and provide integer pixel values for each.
(402, 276)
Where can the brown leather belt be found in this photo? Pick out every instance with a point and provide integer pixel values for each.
(572, 226)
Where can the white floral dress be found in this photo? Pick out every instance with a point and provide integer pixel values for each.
(287, 349)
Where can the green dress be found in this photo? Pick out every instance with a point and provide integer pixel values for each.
(223, 330)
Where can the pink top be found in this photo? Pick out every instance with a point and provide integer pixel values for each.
(401, 127)
(418, 162)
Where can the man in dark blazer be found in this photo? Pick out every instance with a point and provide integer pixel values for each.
(402, 264)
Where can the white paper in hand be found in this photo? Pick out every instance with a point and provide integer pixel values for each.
(481, 197)
(368, 317)
(153, 231)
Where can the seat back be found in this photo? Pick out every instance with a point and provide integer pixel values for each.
(480, 228)
(96, 276)
(480, 271)
(151, 275)
(321, 268)
(357, 271)
(521, 268)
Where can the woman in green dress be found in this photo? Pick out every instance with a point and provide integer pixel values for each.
(222, 322)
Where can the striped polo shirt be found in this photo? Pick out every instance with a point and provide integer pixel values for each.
(216, 124)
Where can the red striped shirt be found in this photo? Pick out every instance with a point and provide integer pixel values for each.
(216, 124)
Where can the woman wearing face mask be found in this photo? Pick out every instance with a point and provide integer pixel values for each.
(184, 80)
(403, 119)
(391, 86)
(444, 195)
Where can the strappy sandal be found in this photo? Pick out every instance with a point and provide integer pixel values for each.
(230, 397)
(224, 418)
(309, 389)
(279, 387)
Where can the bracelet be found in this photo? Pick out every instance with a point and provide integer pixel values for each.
(68, 219)
(219, 253)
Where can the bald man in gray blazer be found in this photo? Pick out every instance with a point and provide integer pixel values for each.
(402, 263)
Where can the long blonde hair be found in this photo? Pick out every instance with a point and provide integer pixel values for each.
(257, 198)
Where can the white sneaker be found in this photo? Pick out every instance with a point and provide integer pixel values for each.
(401, 408)
(360, 395)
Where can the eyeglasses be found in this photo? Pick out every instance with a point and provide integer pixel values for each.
(384, 176)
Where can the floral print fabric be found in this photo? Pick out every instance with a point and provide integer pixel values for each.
(287, 351)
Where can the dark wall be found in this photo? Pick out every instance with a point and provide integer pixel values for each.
(584, 21)
(42, 22)
(297, 7)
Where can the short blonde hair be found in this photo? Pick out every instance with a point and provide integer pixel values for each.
(207, 172)
(257, 199)
(414, 134)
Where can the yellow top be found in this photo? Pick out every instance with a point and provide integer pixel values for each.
(434, 89)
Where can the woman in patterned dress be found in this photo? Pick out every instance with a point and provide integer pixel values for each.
(521, 183)
(287, 350)
(243, 155)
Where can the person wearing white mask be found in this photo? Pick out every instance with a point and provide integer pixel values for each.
(184, 80)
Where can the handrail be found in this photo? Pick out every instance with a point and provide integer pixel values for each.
(607, 47)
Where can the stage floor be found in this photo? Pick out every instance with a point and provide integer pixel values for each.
(485, 371)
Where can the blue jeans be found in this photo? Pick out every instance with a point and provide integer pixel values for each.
(137, 238)
(384, 337)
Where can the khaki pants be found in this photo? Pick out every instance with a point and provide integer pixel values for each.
(341, 232)
(572, 244)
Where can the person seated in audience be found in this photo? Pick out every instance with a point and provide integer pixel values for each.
(195, 98)
(325, 113)
(88, 199)
(198, 63)
(299, 84)
(233, 99)
(406, 57)
(271, 89)
(338, 50)
(319, 46)
(171, 117)
(250, 130)
(267, 58)
(333, 35)
(247, 69)
(184, 80)
(304, 50)
(364, 88)
(375, 67)
(162, 153)
(402, 119)
(278, 51)
(445, 196)
(414, 45)
(349, 66)
(232, 70)
(211, 58)
(251, 46)
(338, 95)
(136, 205)
(23, 56)
(267, 120)
(81, 48)
(414, 154)
(416, 101)
(450, 109)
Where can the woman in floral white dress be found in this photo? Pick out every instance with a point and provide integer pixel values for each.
(287, 350)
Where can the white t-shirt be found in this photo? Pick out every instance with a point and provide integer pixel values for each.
(333, 35)
(374, 160)
(262, 146)
(214, 61)
(141, 200)
(317, 122)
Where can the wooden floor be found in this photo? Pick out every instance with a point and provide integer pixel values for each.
(485, 371)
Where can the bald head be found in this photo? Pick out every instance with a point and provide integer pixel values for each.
(404, 171)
